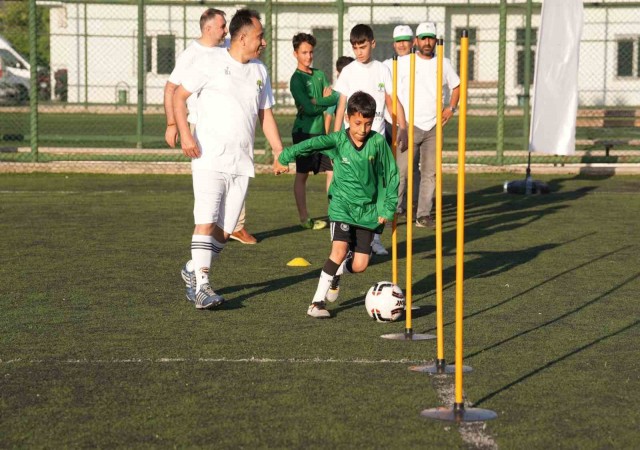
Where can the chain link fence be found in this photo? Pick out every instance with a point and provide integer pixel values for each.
(97, 90)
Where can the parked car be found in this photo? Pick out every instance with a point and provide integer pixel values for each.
(10, 94)
(16, 71)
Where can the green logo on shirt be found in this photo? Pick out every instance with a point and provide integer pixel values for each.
(380, 87)
(260, 86)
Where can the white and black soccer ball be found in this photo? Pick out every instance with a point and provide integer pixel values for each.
(384, 302)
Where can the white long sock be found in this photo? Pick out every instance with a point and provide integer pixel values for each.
(323, 286)
(204, 250)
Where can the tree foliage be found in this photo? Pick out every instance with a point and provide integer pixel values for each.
(14, 27)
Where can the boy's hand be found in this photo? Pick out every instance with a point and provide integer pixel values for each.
(279, 168)
(402, 141)
(382, 220)
(326, 92)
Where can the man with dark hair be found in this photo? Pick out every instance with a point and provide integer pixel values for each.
(312, 95)
(363, 195)
(213, 27)
(233, 91)
(424, 129)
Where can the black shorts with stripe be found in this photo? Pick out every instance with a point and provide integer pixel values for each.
(359, 239)
(314, 163)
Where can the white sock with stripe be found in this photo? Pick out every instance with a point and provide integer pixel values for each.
(204, 250)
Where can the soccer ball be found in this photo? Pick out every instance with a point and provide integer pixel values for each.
(384, 302)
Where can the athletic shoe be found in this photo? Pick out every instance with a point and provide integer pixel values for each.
(244, 237)
(378, 248)
(334, 289)
(425, 222)
(189, 279)
(318, 310)
(207, 299)
(311, 224)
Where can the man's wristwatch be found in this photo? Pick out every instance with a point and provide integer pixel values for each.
(453, 109)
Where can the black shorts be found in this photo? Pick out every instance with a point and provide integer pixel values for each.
(314, 163)
(359, 239)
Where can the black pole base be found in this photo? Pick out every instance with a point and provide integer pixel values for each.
(528, 186)
(439, 368)
(408, 335)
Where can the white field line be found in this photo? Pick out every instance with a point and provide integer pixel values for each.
(213, 360)
(64, 192)
(473, 433)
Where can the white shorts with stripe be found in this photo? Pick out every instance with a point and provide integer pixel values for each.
(218, 198)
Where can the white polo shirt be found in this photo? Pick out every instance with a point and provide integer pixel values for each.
(187, 62)
(424, 112)
(230, 95)
(374, 78)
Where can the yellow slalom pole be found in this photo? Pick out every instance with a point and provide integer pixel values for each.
(462, 136)
(440, 362)
(459, 413)
(394, 134)
(408, 293)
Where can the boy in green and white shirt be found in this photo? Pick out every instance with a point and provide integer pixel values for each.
(312, 94)
(363, 195)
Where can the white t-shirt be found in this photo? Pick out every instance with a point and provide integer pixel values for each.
(424, 112)
(185, 64)
(374, 78)
(230, 95)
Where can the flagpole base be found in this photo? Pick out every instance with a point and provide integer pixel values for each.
(459, 414)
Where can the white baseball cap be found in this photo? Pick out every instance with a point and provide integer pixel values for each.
(402, 33)
(426, 29)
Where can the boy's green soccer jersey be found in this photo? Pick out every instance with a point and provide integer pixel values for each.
(304, 87)
(365, 180)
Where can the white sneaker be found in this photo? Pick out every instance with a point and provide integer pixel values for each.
(318, 310)
(378, 248)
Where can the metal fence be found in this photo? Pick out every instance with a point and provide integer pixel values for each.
(99, 68)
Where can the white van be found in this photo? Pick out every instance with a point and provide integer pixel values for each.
(14, 69)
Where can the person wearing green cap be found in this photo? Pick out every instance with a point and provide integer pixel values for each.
(402, 44)
(424, 130)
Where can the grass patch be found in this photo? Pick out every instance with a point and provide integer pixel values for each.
(99, 348)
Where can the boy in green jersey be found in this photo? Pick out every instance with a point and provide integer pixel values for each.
(363, 195)
(313, 95)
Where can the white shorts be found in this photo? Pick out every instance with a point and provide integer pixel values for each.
(218, 198)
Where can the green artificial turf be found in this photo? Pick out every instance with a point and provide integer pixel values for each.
(99, 348)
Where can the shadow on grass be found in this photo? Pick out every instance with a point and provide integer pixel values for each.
(555, 277)
(554, 362)
(557, 319)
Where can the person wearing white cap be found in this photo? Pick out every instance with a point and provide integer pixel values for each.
(424, 131)
(402, 43)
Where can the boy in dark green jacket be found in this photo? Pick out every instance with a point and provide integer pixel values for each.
(313, 95)
(363, 195)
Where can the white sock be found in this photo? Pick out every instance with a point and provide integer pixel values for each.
(323, 286)
(204, 249)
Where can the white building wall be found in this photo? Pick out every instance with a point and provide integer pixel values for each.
(112, 46)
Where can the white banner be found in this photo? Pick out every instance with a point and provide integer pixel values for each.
(555, 88)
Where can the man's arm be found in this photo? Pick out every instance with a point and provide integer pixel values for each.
(447, 113)
(337, 125)
(189, 145)
(171, 133)
(270, 130)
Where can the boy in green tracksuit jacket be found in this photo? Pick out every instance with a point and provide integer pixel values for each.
(313, 95)
(363, 195)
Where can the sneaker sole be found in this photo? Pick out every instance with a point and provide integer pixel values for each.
(213, 305)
